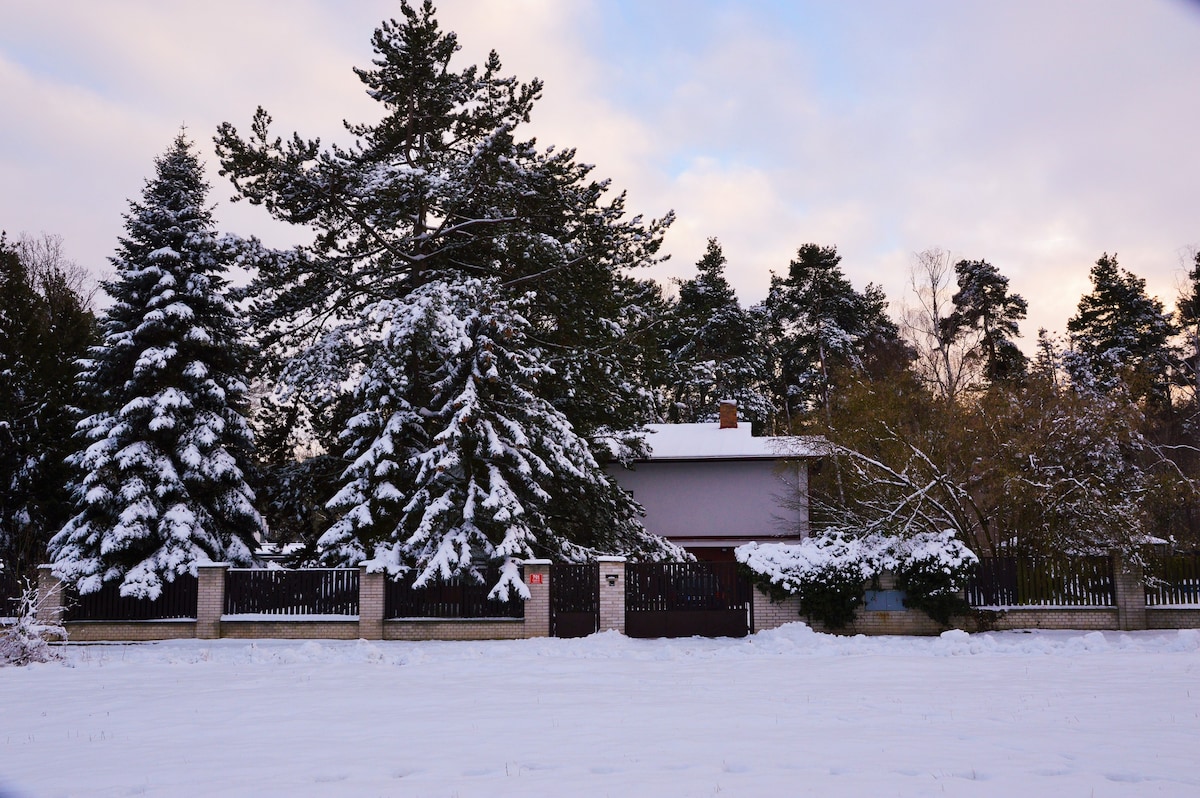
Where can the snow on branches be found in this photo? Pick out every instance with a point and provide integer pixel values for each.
(456, 462)
(162, 472)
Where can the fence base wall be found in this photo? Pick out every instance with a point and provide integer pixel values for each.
(1173, 618)
(771, 615)
(1083, 618)
(128, 631)
(412, 630)
(472, 629)
(290, 630)
(768, 615)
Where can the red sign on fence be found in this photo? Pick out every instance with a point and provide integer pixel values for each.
(535, 579)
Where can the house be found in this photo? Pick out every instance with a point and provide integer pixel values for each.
(712, 487)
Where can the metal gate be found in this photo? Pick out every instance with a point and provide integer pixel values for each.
(574, 600)
(709, 599)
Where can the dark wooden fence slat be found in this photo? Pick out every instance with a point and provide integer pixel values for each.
(1026, 581)
(1173, 579)
(11, 588)
(455, 598)
(310, 591)
(177, 600)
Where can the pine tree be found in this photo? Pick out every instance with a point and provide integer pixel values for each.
(442, 191)
(162, 476)
(983, 302)
(820, 324)
(442, 185)
(44, 327)
(1188, 315)
(715, 348)
(1123, 333)
(455, 459)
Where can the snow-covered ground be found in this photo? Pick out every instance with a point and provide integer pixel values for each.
(785, 712)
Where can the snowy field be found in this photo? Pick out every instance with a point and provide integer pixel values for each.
(786, 712)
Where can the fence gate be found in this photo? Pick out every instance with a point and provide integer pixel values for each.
(574, 600)
(709, 599)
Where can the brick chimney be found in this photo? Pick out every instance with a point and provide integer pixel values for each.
(728, 414)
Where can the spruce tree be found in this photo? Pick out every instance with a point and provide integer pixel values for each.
(443, 185)
(1188, 315)
(455, 459)
(162, 484)
(715, 348)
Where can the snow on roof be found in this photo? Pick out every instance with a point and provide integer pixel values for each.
(709, 442)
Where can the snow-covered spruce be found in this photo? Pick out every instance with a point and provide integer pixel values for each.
(456, 461)
(162, 476)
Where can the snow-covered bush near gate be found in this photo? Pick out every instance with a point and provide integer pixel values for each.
(827, 571)
(25, 639)
(934, 553)
(790, 566)
(933, 568)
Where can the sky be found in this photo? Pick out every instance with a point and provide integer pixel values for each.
(1034, 134)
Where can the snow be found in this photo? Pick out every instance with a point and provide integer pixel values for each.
(857, 558)
(783, 712)
(708, 441)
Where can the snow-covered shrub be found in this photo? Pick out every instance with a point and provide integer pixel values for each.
(933, 568)
(25, 640)
(828, 571)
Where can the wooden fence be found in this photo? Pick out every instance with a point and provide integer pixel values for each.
(1173, 580)
(455, 598)
(11, 589)
(1057, 582)
(177, 600)
(311, 591)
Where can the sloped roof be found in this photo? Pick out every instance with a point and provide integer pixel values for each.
(709, 442)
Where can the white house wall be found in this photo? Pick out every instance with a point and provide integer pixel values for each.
(719, 503)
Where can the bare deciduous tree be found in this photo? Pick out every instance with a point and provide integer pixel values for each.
(947, 360)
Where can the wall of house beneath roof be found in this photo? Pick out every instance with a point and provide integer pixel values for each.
(719, 499)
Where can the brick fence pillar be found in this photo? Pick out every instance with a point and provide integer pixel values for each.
(210, 599)
(1129, 587)
(537, 607)
(50, 601)
(370, 603)
(612, 593)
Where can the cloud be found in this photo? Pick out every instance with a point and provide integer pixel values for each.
(1036, 135)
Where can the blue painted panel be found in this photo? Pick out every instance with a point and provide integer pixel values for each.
(884, 600)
